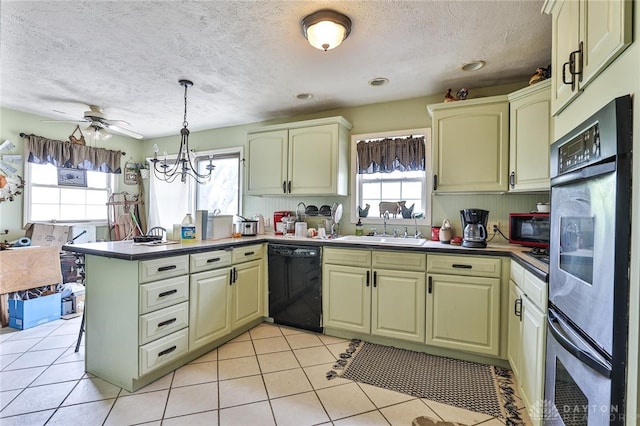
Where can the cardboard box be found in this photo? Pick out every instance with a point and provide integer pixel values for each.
(29, 313)
(47, 235)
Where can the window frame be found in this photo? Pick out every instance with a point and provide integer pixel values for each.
(193, 187)
(112, 186)
(355, 186)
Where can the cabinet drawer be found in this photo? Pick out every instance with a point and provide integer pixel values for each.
(399, 260)
(210, 260)
(246, 254)
(160, 294)
(348, 257)
(163, 322)
(536, 290)
(477, 266)
(164, 350)
(517, 273)
(167, 267)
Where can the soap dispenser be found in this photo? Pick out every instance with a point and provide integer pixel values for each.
(359, 229)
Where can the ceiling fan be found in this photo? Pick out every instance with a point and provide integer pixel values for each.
(100, 124)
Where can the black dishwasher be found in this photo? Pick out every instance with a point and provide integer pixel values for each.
(295, 290)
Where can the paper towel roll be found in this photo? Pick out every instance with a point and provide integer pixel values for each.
(22, 242)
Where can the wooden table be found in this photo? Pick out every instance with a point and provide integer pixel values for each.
(24, 268)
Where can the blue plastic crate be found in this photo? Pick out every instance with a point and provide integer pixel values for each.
(29, 313)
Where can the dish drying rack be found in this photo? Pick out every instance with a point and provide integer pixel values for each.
(123, 210)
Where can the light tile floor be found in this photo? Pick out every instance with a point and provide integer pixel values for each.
(270, 375)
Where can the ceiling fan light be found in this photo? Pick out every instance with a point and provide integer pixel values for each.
(326, 29)
(104, 135)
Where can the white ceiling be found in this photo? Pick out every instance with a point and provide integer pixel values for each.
(248, 59)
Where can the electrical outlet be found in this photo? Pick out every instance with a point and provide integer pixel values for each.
(267, 221)
(493, 226)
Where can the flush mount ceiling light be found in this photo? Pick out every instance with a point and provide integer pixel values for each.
(473, 65)
(184, 163)
(326, 29)
(378, 81)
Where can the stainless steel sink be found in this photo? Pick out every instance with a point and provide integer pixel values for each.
(395, 241)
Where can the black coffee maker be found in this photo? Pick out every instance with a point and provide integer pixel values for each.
(474, 225)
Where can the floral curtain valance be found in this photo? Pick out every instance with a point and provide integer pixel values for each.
(41, 150)
(387, 155)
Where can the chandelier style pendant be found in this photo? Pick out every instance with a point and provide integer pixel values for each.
(183, 166)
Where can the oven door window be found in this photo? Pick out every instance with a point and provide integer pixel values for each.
(576, 247)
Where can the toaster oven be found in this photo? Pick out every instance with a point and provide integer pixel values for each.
(529, 229)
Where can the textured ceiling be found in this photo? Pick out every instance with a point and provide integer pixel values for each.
(248, 59)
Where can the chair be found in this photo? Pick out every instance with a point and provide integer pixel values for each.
(157, 231)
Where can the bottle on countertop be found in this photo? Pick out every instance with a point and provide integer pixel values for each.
(359, 229)
(188, 229)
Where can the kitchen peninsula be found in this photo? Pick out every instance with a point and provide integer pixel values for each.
(153, 308)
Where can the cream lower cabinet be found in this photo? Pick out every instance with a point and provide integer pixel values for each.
(371, 299)
(527, 334)
(227, 296)
(470, 145)
(463, 303)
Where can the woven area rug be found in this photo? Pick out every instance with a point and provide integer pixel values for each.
(477, 387)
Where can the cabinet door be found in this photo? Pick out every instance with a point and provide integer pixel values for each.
(565, 30)
(471, 145)
(313, 160)
(346, 298)
(533, 353)
(209, 307)
(398, 304)
(247, 293)
(514, 344)
(605, 31)
(267, 168)
(530, 136)
(464, 313)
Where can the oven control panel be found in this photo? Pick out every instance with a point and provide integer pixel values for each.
(582, 149)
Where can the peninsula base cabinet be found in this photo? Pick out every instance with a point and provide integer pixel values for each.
(463, 303)
(527, 334)
(147, 318)
(360, 294)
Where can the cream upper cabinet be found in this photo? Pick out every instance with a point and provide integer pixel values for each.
(587, 35)
(303, 158)
(530, 134)
(267, 166)
(470, 145)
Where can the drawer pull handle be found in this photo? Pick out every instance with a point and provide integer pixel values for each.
(250, 253)
(166, 268)
(168, 293)
(461, 266)
(375, 279)
(215, 259)
(368, 278)
(167, 322)
(430, 286)
(168, 350)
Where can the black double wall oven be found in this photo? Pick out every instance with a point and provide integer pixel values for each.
(587, 323)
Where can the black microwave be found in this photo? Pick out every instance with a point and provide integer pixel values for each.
(529, 229)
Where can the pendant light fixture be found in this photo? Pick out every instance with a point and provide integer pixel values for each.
(326, 29)
(184, 163)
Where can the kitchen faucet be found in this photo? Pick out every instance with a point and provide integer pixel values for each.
(385, 217)
(418, 234)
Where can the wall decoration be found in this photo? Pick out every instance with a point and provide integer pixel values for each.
(72, 177)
